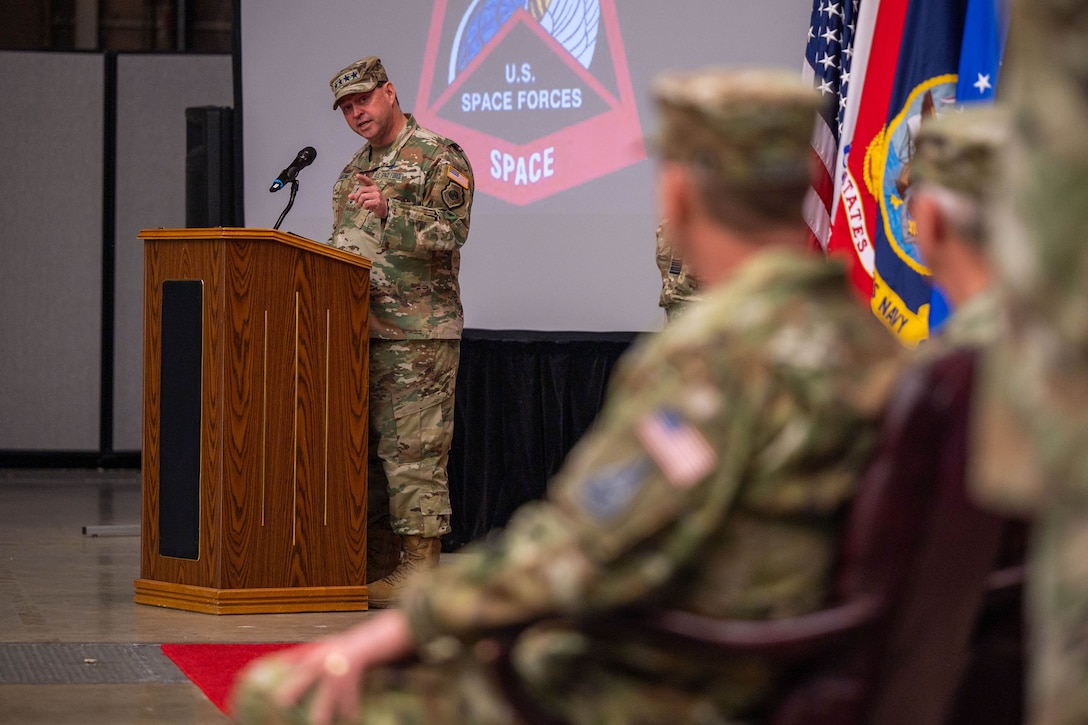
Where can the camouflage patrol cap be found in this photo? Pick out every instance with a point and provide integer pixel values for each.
(359, 77)
(753, 128)
(960, 151)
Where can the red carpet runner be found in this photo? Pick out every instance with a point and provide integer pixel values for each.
(213, 667)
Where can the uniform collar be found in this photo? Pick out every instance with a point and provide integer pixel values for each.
(394, 149)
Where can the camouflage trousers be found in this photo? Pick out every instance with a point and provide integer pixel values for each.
(411, 429)
(552, 670)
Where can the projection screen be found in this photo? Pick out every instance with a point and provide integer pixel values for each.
(550, 100)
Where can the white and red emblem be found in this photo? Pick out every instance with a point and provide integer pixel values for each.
(537, 92)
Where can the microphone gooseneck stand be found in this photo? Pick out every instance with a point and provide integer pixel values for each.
(290, 203)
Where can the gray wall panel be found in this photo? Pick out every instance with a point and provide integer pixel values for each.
(51, 219)
(153, 92)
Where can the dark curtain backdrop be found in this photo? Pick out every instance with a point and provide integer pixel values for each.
(523, 400)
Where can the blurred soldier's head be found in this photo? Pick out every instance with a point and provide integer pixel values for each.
(953, 173)
(736, 163)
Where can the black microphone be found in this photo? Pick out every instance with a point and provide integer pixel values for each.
(305, 157)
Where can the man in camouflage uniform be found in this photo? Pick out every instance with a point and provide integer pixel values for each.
(678, 285)
(711, 482)
(952, 180)
(1032, 455)
(404, 202)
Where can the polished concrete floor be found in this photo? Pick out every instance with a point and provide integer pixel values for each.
(70, 594)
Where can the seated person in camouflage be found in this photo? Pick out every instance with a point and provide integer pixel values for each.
(953, 169)
(711, 482)
(1031, 444)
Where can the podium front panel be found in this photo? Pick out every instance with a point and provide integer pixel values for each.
(179, 418)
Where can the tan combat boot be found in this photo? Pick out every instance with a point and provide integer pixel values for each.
(419, 554)
(382, 551)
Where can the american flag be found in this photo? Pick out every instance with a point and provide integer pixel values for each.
(828, 56)
(678, 448)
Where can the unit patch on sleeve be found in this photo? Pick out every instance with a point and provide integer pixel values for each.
(611, 489)
(453, 196)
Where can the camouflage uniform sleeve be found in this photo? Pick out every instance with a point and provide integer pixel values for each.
(678, 285)
(440, 223)
(663, 253)
(636, 498)
(353, 228)
(664, 258)
(340, 200)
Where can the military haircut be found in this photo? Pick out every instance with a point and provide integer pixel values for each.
(962, 212)
(956, 161)
(747, 209)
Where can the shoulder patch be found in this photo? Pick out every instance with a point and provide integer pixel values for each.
(453, 196)
(611, 489)
(677, 447)
(457, 176)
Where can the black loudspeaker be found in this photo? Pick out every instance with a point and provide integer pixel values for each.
(209, 167)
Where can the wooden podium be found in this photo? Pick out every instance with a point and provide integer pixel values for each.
(255, 423)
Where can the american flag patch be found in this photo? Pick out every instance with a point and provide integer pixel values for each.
(675, 267)
(457, 176)
(679, 449)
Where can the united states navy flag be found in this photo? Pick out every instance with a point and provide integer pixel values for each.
(925, 86)
(984, 32)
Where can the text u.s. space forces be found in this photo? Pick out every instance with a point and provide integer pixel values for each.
(535, 91)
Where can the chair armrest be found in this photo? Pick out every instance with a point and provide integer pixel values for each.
(789, 639)
(1004, 588)
(1009, 580)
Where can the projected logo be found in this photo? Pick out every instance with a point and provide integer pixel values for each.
(537, 92)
